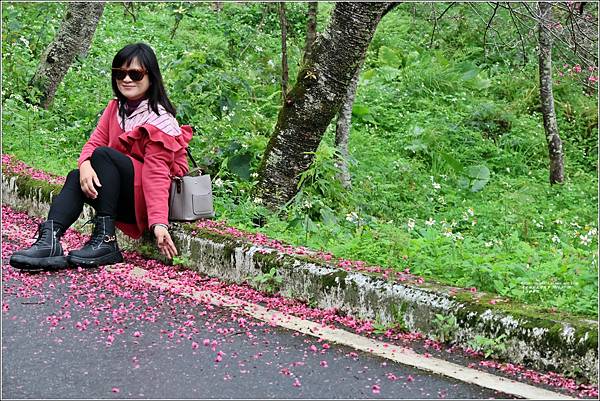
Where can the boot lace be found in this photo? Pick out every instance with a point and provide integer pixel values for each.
(42, 235)
(96, 238)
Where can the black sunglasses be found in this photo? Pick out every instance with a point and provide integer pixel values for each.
(135, 74)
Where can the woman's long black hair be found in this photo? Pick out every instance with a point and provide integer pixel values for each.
(156, 93)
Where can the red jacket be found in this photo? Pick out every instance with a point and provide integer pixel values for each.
(156, 157)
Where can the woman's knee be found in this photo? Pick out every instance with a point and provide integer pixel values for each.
(73, 176)
(100, 152)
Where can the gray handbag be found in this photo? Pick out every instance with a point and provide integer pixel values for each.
(190, 196)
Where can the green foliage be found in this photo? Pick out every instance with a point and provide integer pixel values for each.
(398, 325)
(489, 346)
(448, 160)
(445, 327)
(181, 261)
(269, 282)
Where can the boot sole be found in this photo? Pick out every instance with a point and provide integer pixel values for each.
(110, 259)
(38, 264)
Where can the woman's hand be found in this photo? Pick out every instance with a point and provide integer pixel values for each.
(87, 179)
(164, 242)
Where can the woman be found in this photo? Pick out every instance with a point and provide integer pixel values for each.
(124, 171)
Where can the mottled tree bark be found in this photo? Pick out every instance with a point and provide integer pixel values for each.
(89, 28)
(342, 130)
(311, 28)
(555, 149)
(74, 38)
(284, 61)
(344, 122)
(320, 89)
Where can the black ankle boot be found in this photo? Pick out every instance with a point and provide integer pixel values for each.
(101, 249)
(45, 253)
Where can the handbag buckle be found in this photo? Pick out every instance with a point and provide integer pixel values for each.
(177, 181)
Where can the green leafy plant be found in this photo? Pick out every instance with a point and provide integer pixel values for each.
(397, 324)
(269, 282)
(489, 346)
(445, 327)
(180, 260)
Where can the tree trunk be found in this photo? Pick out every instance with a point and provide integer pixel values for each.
(89, 28)
(321, 87)
(555, 150)
(311, 28)
(342, 130)
(344, 122)
(74, 38)
(217, 6)
(284, 61)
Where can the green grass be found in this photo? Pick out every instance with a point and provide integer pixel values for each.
(449, 160)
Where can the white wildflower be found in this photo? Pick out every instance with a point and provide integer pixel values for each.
(352, 217)
(258, 201)
(271, 63)
(458, 236)
(436, 185)
(489, 244)
(558, 221)
(218, 183)
(254, 175)
(430, 222)
(555, 239)
(258, 49)
(24, 41)
(471, 212)
(410, 224)
(585, 240)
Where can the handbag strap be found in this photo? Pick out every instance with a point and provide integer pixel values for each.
(191, 157)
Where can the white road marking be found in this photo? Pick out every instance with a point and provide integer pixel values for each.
(402, 355)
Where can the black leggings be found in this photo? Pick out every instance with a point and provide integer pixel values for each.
(115, 196)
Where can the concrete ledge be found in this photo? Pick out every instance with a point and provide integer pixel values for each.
(559, 342)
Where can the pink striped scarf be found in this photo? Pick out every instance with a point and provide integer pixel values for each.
(144, 115)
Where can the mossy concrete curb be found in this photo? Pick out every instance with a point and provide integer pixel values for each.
(560, 343)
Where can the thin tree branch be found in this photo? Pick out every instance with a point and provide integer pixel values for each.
(512, 17)
(488, 27)
(129, 9)
(436, 20)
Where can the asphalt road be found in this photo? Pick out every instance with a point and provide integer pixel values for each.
(74, 357)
